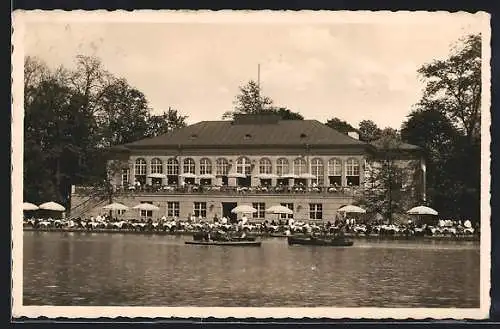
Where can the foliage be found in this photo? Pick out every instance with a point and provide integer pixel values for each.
(250, 100)
(388, 186)
(453, 85)
(72, 117)
(340, 125)
(165, 122)
(446, 124)
(369, 131)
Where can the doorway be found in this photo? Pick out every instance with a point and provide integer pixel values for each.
(226, 211)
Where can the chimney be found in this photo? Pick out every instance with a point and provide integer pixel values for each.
(353, 134)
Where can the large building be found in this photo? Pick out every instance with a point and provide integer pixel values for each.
(208, 168)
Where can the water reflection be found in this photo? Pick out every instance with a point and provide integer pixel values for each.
(114, 269)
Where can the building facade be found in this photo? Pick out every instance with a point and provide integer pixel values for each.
(208, 168)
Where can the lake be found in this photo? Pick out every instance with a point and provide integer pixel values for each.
(89, 269)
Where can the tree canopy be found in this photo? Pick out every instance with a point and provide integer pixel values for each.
(369, 131)
(340, 125)
(250, 100)
(446, 124)
(72, 117)
(453, 85)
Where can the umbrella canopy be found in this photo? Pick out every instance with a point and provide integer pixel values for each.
(307, 176)
(146, 206)
(237, 175)
(289, 176)
(29, 206)
(52, 206)
(157, 175)
(267, 176)
(206, 176)
(188, 175)
(352, 209)
(279, 210)
(422, 210)
(115, 206)
(244, 209)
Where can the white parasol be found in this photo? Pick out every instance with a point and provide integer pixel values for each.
(278, 209)
(236, 175)
(244, 209)
(206, 176)
(352, 209)
(115, 206)
(146, 206)
(422, 210)
(54, 206)
(157, 175)
(289, 176)
(29, 206)
(267, 176)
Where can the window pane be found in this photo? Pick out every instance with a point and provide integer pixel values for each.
(261, 207)
(282, 167)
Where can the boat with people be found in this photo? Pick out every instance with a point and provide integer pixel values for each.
(222, 236)
(219, 238)
(226, 243)
(336, 241)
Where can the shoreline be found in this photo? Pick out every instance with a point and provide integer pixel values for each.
(260, 235)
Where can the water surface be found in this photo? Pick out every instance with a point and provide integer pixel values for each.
(88, 269)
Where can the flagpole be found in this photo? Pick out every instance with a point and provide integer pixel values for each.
(258, 76)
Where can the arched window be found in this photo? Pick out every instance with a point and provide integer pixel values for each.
(205, 166)
(299, 166)
(352, 172)
(281, 166)
(243, 166)
(318, 170)
(140, 171)
(156, 166)
(140, 167)
(265, 166)
(335, 171)
(222, 167)
(189, 166)
(172, 167)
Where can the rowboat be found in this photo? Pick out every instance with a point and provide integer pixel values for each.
(226, 243)
(334, 242)
(201, 236)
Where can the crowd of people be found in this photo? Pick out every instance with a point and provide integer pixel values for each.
(275, 227)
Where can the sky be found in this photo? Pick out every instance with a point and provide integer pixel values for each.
(351, 70)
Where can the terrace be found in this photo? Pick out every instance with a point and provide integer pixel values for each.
(332, 191)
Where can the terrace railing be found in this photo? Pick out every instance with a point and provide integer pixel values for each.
(231, 190)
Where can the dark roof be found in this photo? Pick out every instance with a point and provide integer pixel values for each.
(395, 145)
(229, 133)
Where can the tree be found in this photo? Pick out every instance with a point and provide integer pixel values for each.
(164, 123)
(369, 131)
(388, 187)
(340, 125)
(250, 101)
(287, 114)
(124, 117)
(71, 118)
(446, 124)
(453, 85)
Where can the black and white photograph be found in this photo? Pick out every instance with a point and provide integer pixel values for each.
(251, 164)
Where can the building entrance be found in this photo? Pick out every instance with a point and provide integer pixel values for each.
(226, 211)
